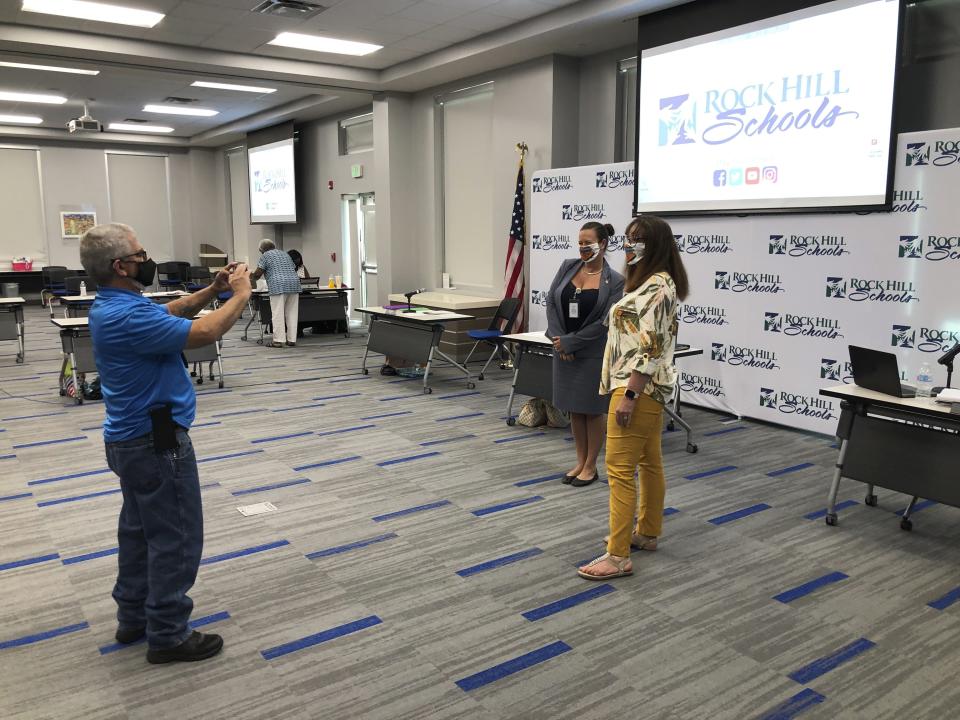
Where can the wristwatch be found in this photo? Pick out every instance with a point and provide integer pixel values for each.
(630, 394)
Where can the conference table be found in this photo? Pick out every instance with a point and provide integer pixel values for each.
(11, 323)
(316, 305)
(413, 336)
(533, 376)
(908, 445)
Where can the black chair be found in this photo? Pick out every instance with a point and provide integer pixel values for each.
(198, 277)
(52, 279)
(173, 274)
(503, 320)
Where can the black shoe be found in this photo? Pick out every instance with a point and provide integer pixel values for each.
(388, 370)
(567, 479)
(130, 635)
(577, 482)
(196, 647)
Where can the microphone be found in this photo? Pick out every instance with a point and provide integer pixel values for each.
(949, 355)
(409, 295)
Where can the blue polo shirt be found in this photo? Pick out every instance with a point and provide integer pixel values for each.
(137, 346)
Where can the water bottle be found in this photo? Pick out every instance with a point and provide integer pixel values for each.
(330, 282)
(924, 381)
(83, 289)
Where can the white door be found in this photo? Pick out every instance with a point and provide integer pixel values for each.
(359, 244)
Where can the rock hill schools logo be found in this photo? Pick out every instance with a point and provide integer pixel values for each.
(615, 243)
(836, 370)
(859, 290)
(917, 154)
(907, 201)
(941, 154)
(615, 178)
(808, 245)
(812, 406)
(751, 357)
(704, 244)
(764, 107)
(928, 340)
(702, 315)
(934, 248)
(538, 297)
(550, 242)
(551, 183)
(794, 325)
(589, 211)
(703, 384)
(739, 282)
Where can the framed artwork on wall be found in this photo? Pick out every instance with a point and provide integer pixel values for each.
(75, 224)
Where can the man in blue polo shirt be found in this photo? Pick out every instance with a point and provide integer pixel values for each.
(150, 405)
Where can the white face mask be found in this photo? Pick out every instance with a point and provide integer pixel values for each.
(636, 250)
(593, 249)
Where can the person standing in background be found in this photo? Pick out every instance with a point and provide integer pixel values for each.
(640, 377)
(578, 301)
(283, 284)
(297, 258)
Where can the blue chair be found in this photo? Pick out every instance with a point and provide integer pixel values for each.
(198, 277)
(503, 320)
(172, 274)
(52, 279)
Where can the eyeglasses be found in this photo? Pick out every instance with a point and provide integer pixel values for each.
(139, 255)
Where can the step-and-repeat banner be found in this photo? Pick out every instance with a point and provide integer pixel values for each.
(776, 300)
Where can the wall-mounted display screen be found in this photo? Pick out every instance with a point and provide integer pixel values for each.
(273, 196)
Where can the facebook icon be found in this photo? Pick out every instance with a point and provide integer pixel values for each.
(719, 178)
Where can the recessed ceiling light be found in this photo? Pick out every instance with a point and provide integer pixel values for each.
(170, 110)
(132, 127)
(11, 96)
(83, 10)
(228, 86)
(20, 119)
(323, 44)
(50, 68)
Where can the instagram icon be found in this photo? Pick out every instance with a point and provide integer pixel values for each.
(770, 173)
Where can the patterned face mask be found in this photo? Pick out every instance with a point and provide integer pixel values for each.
(589, 253)
(635, 250)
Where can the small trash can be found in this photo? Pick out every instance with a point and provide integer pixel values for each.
(11, 290)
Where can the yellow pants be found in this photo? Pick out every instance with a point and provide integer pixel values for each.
(637, 445)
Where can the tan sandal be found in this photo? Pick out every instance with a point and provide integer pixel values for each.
(620, 564)
(639, 542)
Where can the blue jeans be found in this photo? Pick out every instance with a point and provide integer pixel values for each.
(160, 536)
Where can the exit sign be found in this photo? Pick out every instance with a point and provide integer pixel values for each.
(356, 171)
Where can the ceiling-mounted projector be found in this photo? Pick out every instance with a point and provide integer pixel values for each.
(84, 123)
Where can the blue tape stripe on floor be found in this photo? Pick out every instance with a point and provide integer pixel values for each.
(90, 556)
(568, 602)
(275, 438)
(199, 393)
(299, 380)
(207, 486)
(274, 486)
(92, 427)
(7, 457)
(350, 546)
(506, 506)
(386, 415)
(458, 395)
(799, 703)
(321, 637)
(708, 473)
(800, 591)
(460, 417)
(510, 667)
(246, 551)
(406, 379)
(724, 432)
(214, 458)
(46, 635)
(266, 392)
(195, 426)
(76, 498)
(326, 463)
(737, 514)
(823, 513)
(30, 417)
(409, 458)
(788, 470)
(298, 407)
(345, 430)
(922, 505)
(400, 397)
(525, 436)
(58, 478)
(499, 562)
(29, 561)
(49, 442)
(825, 664)
(668, 511)
(410, 511)
(351, 379)
(337, 397)
(446, 440)
(194, 624)
(5, 498)
(942, 603)
(536, 480)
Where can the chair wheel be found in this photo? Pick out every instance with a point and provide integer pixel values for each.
(670, 426)
(471, 385)
(692, 448)
(63, 393)
(511, 421)
(831, 519)
(199, 381)
(193, 373)
(428, 391)
(906, 525)
(480, 376)
(220, 385)
(19, 361)
(870, 500)
(365, 371)
(260, 342)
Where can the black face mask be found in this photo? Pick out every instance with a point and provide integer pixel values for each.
(146, 271)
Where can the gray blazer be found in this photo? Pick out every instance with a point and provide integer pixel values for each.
(591, 339)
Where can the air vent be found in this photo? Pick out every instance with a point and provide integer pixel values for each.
(294, 9)
(173, 100)
(135, 120)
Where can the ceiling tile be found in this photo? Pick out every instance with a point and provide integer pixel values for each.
(209, 13)
(468, 5)
(399, 24)
(423, 43)
(482, 22)
(448, 33)
(431, 12)
(519, 9)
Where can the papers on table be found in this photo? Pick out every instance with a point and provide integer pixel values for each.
(949, 395)
(257, 509)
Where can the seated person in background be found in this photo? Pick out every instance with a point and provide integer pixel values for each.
(297, 258)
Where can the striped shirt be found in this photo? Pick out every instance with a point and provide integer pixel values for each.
(280, 273)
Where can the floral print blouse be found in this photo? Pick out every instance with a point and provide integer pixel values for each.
(642, 334)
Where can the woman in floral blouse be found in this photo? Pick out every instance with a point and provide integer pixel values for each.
(639, 376)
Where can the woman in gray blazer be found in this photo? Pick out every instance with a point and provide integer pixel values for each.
(578, 302)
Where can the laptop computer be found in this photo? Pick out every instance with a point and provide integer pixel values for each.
(876, 370)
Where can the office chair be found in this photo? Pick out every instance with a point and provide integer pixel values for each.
(52, 279)
(507, 311)
(198, 277)
(172, 274)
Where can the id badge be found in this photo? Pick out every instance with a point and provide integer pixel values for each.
(574, 311)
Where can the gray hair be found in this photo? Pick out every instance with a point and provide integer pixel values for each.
(101, 245)
(266, 244)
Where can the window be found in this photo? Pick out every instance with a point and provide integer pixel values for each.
(626, 141)
(356, 134)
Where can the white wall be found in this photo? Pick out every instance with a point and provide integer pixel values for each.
(598, 105)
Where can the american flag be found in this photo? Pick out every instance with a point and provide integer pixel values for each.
(513, 273)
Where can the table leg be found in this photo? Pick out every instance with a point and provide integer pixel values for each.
(451, 361)
(219, 364)
(511, 420)
(366, 349)
(905, 522)
(77, 390)
(20, 337)
(831, 518)
(253, 316)
(675, 418)
(426, 372)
